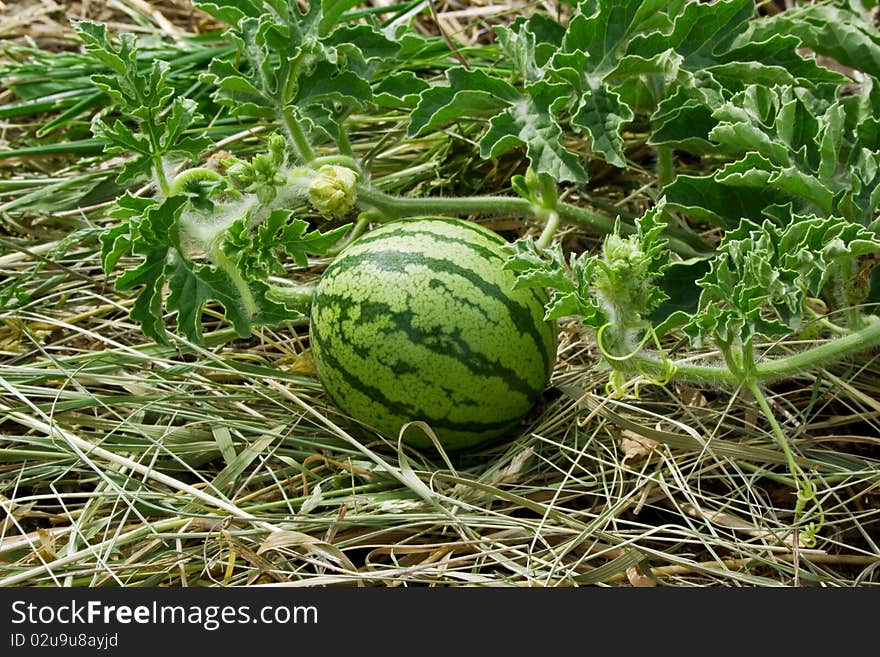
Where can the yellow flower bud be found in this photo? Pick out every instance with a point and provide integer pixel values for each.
(332, 190)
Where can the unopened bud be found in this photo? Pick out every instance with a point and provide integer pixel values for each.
(332, 190)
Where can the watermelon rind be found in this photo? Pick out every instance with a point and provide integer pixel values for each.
(418, 321)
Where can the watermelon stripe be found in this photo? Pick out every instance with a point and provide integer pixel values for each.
(419, 320)
(539, 296)
(397, 262)
(484, 252)
(450, 344)
(406, 228)
(401, 409)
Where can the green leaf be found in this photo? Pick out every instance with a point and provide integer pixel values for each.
(568, 285)
(257, 252)
(150, 235)
(615, 288)
(230, 11)
(469, 94)
(756, 171)
(763, 274)
(364, 46)
(519, 44)
(834, 30)
(192, 286)
(684, 118)
(702, 197)
(167, 259)
(293, 237)
(156, 118)
(517, 119)
(792, 147)
(331, 12)
(531, 122)
(292, 63)
(699, 32)
(328, 83)
(400, 89)
(601, 113)
(774, 60)
(115, 242)
(603, 29)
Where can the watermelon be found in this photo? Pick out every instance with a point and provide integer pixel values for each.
(418, 320)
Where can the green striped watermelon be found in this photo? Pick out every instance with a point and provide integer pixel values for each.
(417, 320)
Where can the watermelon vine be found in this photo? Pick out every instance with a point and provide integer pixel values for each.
(793, 195)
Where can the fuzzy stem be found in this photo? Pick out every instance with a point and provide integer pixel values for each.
(343, 143)
(303, 148)
(161, 178)
(188, 176)
(357, 230)
(549, 229)
(843, 275)
(341, 160)
(215, 253)
(805, 489)
(296, 297)
(771, 370)
(793, 468)
(665, 166)
(396, 207)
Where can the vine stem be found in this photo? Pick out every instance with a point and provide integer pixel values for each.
(771, 370)
(755, 389)
(549, 230)
(304, 149)
(188, 176)
(161, 178)
(215, 253)
(806, 490)
(397, 207)
(357, 230)
(297, 297)
(665, 166)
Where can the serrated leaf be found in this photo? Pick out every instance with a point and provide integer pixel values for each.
(774, 60)
(317, 121)
(400, 89)
(257, 251)
(759, 282)
(601, 113)
(166, 259)
(756, 171)
(531, 122)
(192, 286)
(364, 47)
(705, 199)
(699, 32)
(96, 41)
(602, 29)
(836, 31)
(151, 237)
(568, 286)
(686, 127)
(684, 118)
(155, 118)
(120, 138)
(331, 12)
(470, 93)
(230, 11)
(327, 83)
(294, 238)
(115, 242)
(519, 43)
(830, 138)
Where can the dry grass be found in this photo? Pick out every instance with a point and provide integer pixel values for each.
(131, 464)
